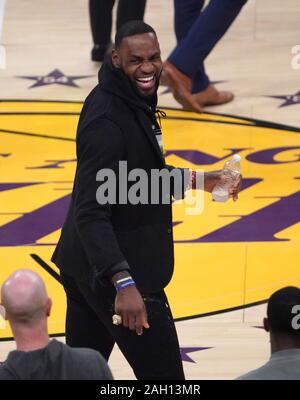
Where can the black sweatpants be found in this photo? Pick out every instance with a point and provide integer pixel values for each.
(101, 17)
(153, 355)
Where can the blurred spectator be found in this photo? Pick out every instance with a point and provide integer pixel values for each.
(101, 21)
(27, 307)
(198, 29)
(283, 324)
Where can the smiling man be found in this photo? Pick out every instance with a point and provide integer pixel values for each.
(118, 258)
(138, 56)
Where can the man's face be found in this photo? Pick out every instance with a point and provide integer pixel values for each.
(139, 58)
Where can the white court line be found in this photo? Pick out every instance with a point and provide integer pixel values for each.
(2, 316)
(2, 48)
(2, 7)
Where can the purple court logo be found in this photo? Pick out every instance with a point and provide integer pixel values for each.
(55, 77)
(42, 220)
(287, 99)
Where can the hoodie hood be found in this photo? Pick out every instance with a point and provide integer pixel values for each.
(114, 81)
(24, 365)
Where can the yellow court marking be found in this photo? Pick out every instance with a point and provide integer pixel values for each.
(230, 255)
(40, 106)
(173, 113)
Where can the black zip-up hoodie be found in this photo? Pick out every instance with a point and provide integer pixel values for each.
(99, 240)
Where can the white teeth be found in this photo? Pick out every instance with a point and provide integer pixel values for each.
(146, 79)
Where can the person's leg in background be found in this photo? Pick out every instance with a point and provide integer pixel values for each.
(130, 10)
(186, 12)
(188, 57)
(101, 24)
(101, 21)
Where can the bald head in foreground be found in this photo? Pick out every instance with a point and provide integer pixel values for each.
(27, 308)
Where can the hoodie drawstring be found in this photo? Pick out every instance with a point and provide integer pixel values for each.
(160, 114)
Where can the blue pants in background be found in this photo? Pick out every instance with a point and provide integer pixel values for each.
(198, 30)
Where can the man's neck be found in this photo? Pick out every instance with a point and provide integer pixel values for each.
(284, 343)
(31, 339)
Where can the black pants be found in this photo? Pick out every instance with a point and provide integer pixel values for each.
(101, 17)
(153, 355)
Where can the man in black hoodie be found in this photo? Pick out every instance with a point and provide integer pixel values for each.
(118, 257)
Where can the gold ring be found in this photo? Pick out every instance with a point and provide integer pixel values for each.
(116, 319)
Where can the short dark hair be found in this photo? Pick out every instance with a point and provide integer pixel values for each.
(279, 310)
(132, 28)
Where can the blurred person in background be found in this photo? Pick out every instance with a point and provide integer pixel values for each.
(27, 308)
(283, 325)
(198, 29)
(101, 21)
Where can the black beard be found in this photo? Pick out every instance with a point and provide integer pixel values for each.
(148, 99)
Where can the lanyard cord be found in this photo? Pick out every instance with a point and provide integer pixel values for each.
(160, 114)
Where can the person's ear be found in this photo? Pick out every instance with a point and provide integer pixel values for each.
(3, 312)
(266, 325)
(115, 59)
(49, 306)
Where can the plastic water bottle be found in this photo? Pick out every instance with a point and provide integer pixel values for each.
(231, 168)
